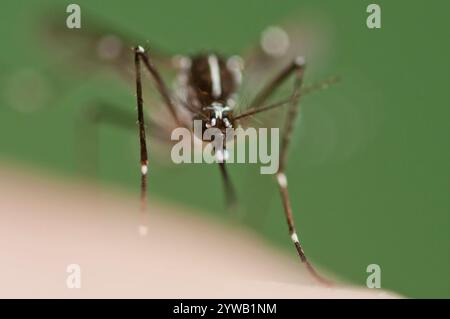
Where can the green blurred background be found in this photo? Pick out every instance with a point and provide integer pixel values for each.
(368, 171)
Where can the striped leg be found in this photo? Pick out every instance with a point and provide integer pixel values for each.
(141, 123)
(298, 68)
(230, 193)
(141, 55)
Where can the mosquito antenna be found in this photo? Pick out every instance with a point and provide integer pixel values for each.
(244, 100)
(256, 110)
(322, 85)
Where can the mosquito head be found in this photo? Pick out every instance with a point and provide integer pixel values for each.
(219, 115)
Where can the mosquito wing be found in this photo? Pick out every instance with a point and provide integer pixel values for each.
(97, 44)
(278, 47)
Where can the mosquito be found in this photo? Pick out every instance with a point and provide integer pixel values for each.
(207, 89)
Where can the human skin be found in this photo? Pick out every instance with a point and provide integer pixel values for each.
(47, 224)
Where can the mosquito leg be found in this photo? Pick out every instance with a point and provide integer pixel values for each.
(282, 183)
(271, 87)
(297, 68)
(141, 124)
(140, 54)
(281, 176)
(230, 193)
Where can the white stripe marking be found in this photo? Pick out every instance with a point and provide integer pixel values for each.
(282, 180)
(144, 169)
(300, 61)
(294, 238)
(215, 76)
